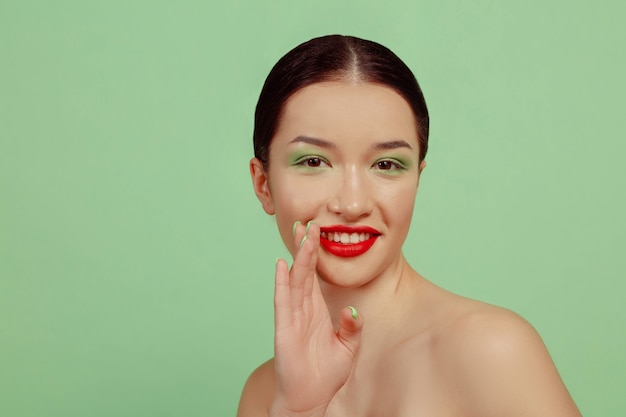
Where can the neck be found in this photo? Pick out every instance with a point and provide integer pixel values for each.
(383, 302)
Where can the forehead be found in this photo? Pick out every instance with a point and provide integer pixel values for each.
(348, 110)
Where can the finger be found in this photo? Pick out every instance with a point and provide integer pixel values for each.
(303, 234)
(302, 272)
(282, 299)
(299, 230)
(350, 327)
(314, 236)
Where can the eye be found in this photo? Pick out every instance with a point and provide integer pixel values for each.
(313, 162)
(388, 165)
(385, 165)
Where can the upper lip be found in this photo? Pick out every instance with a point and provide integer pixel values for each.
(342, 228)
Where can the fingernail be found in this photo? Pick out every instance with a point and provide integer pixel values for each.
(354, 312)
(308, 224)
(277, 259)
(303, 240)
(295, 225)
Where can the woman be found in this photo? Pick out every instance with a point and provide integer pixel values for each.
(340, 138)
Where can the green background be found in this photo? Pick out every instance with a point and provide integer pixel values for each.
(136, 265)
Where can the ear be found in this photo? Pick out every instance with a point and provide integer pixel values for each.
(419, 171)
(261, 187)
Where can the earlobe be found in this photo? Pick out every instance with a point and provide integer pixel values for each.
(260, 184)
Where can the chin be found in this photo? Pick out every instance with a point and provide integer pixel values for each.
(347, 274)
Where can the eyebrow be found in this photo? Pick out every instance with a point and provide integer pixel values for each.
(392, 144)
(314, 141)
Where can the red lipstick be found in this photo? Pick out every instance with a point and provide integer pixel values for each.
(347, 241)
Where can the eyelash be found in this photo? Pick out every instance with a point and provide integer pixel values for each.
(304, 161)
(319, 162)
(397, 165)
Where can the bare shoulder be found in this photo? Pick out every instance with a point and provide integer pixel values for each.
(500, 363)
(258, 392)
(480, 325)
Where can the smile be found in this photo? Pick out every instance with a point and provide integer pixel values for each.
(347, 241)
(346, 238)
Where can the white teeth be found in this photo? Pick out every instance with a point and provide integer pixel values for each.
(345, 238)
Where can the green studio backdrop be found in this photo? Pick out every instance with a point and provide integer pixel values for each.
(136, 266)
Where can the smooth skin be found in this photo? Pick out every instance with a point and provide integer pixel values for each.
(346, 153)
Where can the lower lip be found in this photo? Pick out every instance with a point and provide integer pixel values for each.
(347, 250)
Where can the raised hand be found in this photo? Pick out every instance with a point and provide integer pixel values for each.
(312, 361)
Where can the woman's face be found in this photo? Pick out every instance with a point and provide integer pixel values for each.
(345, 156)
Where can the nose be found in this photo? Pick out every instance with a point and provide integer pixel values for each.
(352, 197)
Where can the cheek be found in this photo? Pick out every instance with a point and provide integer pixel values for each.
(294, 204)
(400, 202)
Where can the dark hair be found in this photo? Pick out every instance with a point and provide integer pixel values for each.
(334, 58)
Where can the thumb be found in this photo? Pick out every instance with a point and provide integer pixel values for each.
(350, 326)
